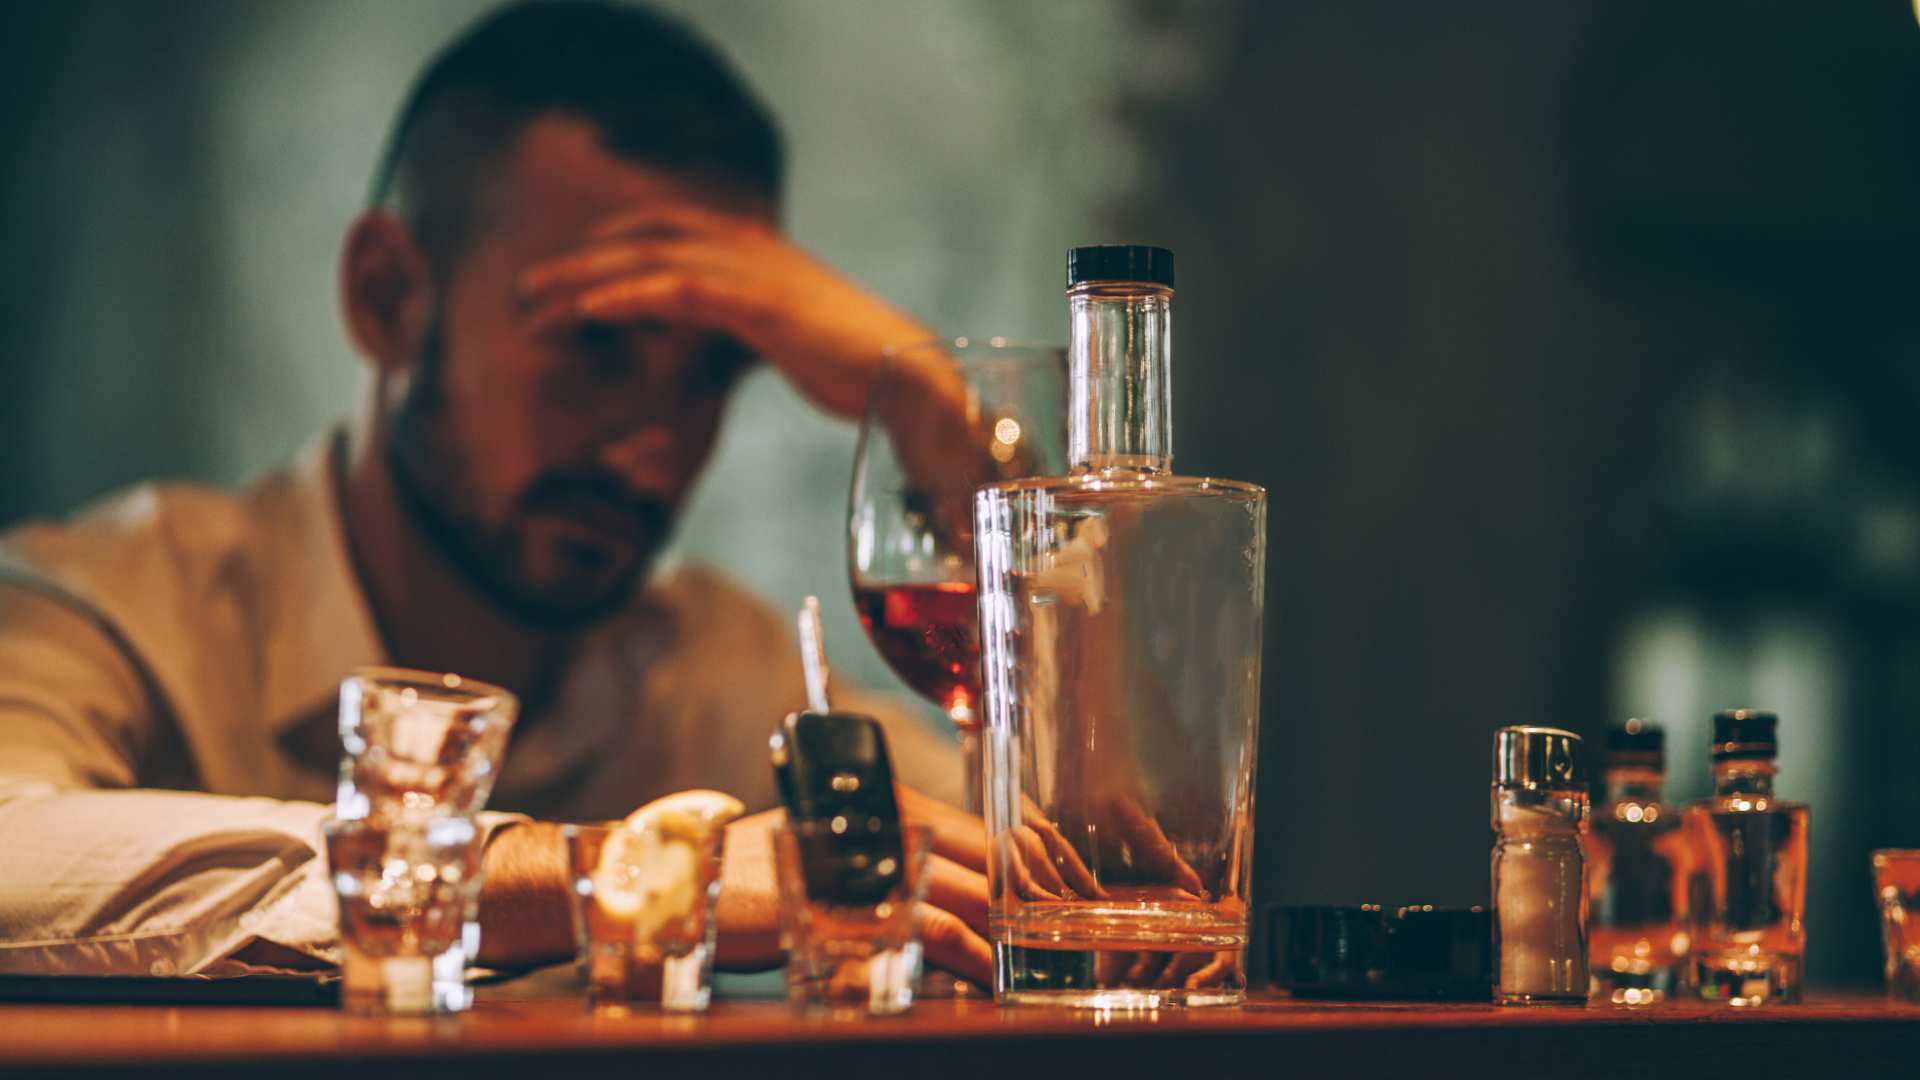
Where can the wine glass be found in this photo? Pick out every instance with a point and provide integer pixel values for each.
(942, 418)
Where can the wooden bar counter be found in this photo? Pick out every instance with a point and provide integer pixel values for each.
(1857, 1036)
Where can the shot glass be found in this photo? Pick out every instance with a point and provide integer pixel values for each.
(419, 745)
(1896, 886)
(850, 922)
(408, 899)
(643, 903)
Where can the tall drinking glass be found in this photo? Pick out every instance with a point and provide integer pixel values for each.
(943, 417)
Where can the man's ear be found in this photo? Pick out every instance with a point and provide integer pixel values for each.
(386, 292)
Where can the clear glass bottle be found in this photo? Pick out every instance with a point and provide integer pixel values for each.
(1539, 867)
(1637, 873)
(1750, 939)
(1120, 613)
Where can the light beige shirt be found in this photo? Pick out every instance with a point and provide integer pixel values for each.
(169, 662)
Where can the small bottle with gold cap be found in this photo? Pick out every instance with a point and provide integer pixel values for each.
(1539, 867)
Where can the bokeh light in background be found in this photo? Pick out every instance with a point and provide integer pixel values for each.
(1574, 341)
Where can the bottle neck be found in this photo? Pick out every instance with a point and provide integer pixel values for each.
(1120, 393)
(1637, 783)
(1746, 776)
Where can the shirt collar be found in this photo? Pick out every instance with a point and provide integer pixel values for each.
(320, 627)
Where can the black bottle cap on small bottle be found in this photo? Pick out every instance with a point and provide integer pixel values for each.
(1745, 734)
(1637, 743)
(1119, 262)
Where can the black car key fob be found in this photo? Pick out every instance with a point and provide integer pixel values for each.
(837, 783)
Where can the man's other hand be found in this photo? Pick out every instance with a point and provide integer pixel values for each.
(953, 921)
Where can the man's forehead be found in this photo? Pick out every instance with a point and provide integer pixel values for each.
(561, 181)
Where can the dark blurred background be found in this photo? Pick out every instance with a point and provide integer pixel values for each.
(1573, 340)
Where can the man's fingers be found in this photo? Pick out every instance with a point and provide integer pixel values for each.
(552, 318)
(958, 890)
(955, 914)
(957, 835)
(594, 265)
(1033, 854)
(951, 945)
(703, 295)
(1224, 968)
(1072, 869)
(1152, 851)
(586, 268)
(1181, 967)
(676, 219)
(1016, 863)
(712, 300)
(1146, 968)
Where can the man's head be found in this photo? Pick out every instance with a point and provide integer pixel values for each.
(547, 467)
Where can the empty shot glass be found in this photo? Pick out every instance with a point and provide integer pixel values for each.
(850, 915)
(643, 900)
(408, 900)
(1896, 887)
(419, 745)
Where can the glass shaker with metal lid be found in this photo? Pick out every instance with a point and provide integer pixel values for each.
(1539, 868)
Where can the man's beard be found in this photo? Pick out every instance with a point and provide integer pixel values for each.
(434, 477)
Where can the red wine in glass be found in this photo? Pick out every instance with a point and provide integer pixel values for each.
(929, 635)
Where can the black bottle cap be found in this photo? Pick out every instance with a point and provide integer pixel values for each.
(1119, 262)
(1745, 734)
(1637, 742)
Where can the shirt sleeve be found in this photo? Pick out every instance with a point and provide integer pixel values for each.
(98, 876)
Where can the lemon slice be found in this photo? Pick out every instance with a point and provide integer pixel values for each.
(687, 816)
(617, 887)
(649, 869)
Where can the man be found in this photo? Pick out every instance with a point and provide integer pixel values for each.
(570, 254)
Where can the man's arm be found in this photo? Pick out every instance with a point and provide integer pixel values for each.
(99, 876)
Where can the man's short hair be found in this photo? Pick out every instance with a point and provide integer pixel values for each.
(658, 93)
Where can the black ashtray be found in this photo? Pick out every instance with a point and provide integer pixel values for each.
(1416, 953)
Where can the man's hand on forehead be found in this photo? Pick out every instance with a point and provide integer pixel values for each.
(730, 274)
(636, 240)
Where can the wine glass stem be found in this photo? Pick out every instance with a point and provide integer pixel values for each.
(972, 795)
